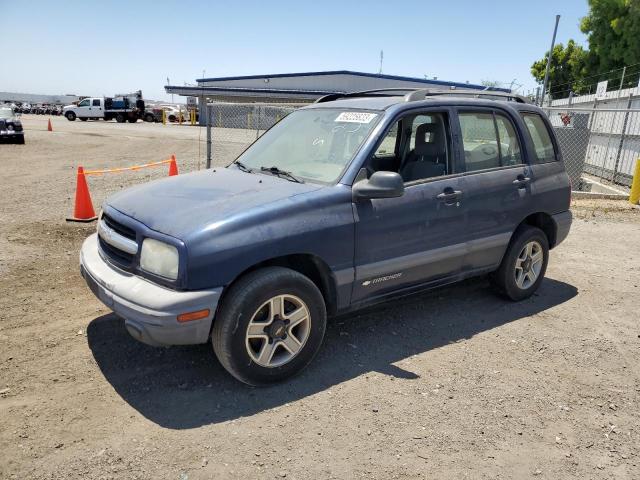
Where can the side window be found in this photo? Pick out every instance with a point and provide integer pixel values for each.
(480, 141)
(544, 151)
(84, 103)
(96, 102)
(509, 144)
(417, 147)
(426, 151)
(388, 146)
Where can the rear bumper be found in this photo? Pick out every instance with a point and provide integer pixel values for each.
(563, 225)
(149, 310)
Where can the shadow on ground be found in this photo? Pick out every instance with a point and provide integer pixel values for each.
(186, 387)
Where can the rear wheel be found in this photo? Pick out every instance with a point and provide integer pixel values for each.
(70, 116)
(120, 118)
(84, 119)
(270, 326)
(149, 117)
(132, 119)
(524, 264)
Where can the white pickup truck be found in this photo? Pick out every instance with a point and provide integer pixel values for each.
(122, 108)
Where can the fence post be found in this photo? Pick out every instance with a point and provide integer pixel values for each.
(208, 123)
(258, 123)
(634, 196)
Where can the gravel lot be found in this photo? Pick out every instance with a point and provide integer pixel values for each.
(456, 383)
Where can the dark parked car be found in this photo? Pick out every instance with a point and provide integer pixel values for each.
(10, 126)
(351, 201)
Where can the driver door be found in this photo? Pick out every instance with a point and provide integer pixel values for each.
(419, 237)
(84, 108)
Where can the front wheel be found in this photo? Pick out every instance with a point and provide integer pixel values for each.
(70, 116)
(524, 264)
(270, 326)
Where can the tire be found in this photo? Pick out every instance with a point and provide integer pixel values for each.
(149, 117)
(249, 302)
(20, 140)
(132, 120)
(70, 116)
(84, 119)
(120, 118)
(514, 276)
(172, 118)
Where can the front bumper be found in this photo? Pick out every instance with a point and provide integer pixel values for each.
(149, 310)
(11, 133)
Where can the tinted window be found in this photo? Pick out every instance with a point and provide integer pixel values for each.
(509, 144)
(96, 102)
(544, 151)
(480, 141)
(84, 103)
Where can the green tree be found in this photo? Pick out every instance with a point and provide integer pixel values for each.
(613, 30)
(567, 71)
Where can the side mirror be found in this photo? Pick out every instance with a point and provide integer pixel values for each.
(380, 185)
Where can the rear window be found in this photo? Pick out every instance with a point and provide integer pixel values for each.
(543, 146)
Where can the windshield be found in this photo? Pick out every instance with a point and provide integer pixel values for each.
(6, 112)
(314, 144)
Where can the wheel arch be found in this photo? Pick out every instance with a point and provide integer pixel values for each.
(309, 265)
(544, 222)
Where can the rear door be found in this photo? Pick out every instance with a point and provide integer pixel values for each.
(496, 183)
(550, 187)
(96, 108)
(419, 237)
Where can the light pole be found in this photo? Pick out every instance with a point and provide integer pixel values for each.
(546, 74)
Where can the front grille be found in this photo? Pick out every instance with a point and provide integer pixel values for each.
(118, 227)
(121, 258)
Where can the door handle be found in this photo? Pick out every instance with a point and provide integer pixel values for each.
(449, 195)
(521, 181)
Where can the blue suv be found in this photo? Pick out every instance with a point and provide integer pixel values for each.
(351, 201)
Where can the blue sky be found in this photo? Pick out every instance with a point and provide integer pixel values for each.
(92, 48)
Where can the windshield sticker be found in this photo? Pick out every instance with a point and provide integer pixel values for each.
(356, 117)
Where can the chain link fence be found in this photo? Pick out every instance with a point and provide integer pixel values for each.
(599, 137)
(235, 126)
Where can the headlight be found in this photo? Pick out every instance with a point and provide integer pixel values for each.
(159, 258)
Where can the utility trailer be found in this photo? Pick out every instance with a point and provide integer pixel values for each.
(126, 107)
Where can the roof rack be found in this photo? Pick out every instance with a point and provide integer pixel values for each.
(417, 94)
(421, 94)
(363, 93)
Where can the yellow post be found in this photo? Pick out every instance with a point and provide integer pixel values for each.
(164, 117)
(634, 196)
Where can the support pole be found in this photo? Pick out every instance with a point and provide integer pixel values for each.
(546, 74)
(208, 123)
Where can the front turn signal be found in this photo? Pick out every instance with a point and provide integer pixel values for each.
(190, 316)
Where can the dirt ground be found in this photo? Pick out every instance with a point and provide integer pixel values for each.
(456, 383)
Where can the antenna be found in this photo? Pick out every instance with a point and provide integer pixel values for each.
(381, 59)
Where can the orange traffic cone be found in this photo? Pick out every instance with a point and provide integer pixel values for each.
(83, 210)
(49, 127)
(173, 166)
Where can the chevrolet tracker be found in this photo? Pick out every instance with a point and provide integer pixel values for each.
(354, 200)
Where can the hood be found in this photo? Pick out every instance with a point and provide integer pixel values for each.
(186, 204)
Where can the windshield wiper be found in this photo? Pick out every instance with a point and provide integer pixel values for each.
(242, 166)
(282, 173)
